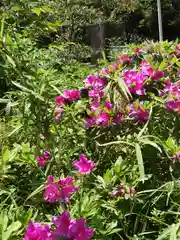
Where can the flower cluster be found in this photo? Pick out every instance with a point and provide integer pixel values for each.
(68, 96)
(62, 189)
(124, 191)
(171, 93)
(36, 231)
(59, 190)
(43, 159)
(65, 227)
(138, 113)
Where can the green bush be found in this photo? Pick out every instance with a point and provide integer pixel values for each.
(126, 119)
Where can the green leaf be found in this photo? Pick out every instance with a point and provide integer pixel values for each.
(171, 144)
(140, 162)
(178, 64)
(36, 191)
(173, 60)
(124, 89)
(149, 142)
(3, 221)
(10, 60)
(37, 11)
(117, 165)
(162, 65)
(12, 228)
(28, 90)
(2, 27)
(6, 155)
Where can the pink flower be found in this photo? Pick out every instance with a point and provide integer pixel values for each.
(176, 156)
(96, 94)
(90, 81)
(178, 73)
(59, 113)
(103, 119)
(105, 71)
(140, 114)
(72, 95)
(173, 105)
(171, 89)
(95, 82)
(59, 190)
(90, 122)
(125, 59)
(60, 100)
(134, 81)
(156, 75)
(36, 231)
(123, 191)
(71, 229)
(146, 68)
(178, 47)
(108, 105)
(84, 165)
(62, 224)
(79, 231)
(118, 118)
(138, 51)
(94, 106)
(43, 159)
(110, 69)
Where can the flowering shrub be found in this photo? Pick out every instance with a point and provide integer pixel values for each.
(64, 227)
(126, 119)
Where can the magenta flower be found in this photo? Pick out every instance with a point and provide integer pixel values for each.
(103, 119)
(71, 229)
(140, 114)
(176, 156)
(123, 191)
(173, 105)
(79, 231)
(134, 81)
(109, 70)
(178, 73)
(90, 122)
(118, 118)
(96, 94)
(138, 51)
(95, 106)
(84, 165)
(65, 228)
(72, 95)
(95, 82)
(146, 68)
(36, 231)
(171, 89)
(90, 81)
(108, 105)
(125, 59)
(43, 159)
(59, 113)
(60, 100)
(62, 224)
(178, 47)
(59, 190)
(156, 75)
(104, 71)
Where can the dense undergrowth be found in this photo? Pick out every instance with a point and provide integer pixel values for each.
(124, 116)
(86, 152)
